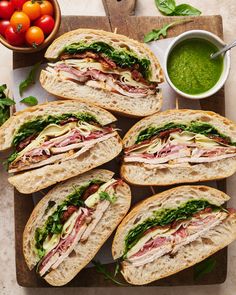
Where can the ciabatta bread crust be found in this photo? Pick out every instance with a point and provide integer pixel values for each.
(188, 255)
(146, 174)
(83, 252)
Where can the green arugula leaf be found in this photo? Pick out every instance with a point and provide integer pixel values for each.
(30, 100)
(155, 34)
(30, 80)
(166, 6)
(106, 196)
(100, 268)
(185, 10)
(3, 87)
(204, 268)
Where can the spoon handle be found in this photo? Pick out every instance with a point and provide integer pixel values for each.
(224, 49)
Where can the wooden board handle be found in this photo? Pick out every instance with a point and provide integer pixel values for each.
(119, 7)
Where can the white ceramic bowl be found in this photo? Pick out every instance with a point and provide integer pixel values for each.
(214, 40)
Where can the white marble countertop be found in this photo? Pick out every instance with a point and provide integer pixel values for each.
(8, 284)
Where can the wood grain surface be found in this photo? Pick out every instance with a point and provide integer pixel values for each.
(120, 15)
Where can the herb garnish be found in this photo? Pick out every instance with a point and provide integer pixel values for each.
(155, 34)
(106, 196)
(5, 103)
(169, 7)
(30, 79)
(204, 268)
(100, 268)
(30, 100)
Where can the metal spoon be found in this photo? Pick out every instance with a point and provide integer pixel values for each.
(223, 50)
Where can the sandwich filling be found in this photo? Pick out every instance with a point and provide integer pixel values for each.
(179, 145)
(47, 140)
(99, 65)
(72, 222)
(167, 230)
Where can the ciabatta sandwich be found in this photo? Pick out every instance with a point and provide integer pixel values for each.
(55, 141)
(71, 223)
(171, 231)
(178, 146)
(107, 69)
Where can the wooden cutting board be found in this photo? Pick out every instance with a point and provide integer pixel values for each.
(120, 15)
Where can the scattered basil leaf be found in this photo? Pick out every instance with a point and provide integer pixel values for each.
(166, 6)
(5, 103)
(100, 268)
(204, 268)
(30, 80)
(30, 100)
(186, 10)
(155, 34)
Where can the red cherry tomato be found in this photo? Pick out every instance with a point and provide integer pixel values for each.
(6, 9)
(13, 38)
(46, 23)
(18, 4)
(3, 25)
(34, 36)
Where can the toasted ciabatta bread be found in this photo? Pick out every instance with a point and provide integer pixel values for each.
(187, 255)
(131, 104)
(149, 174)
(84, 252)
(42, 177)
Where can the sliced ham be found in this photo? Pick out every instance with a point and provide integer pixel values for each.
(64, 156)
(185, 232)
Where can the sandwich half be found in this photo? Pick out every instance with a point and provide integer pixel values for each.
(171, 231)
(71, 223)
(178, 146)
(107, 69)
(55, 141)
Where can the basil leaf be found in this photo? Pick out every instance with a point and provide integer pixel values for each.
(185, 10)
(30, 80)
(30, 100)
(155, 34)
(204, 268)
(5, 103)
(166, 6)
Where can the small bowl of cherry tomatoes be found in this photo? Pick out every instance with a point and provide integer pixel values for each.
(28, 26)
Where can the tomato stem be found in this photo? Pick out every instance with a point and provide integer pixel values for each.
(19, 28)
(35, 45)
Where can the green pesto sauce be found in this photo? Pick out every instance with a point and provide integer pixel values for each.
(190, 68)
